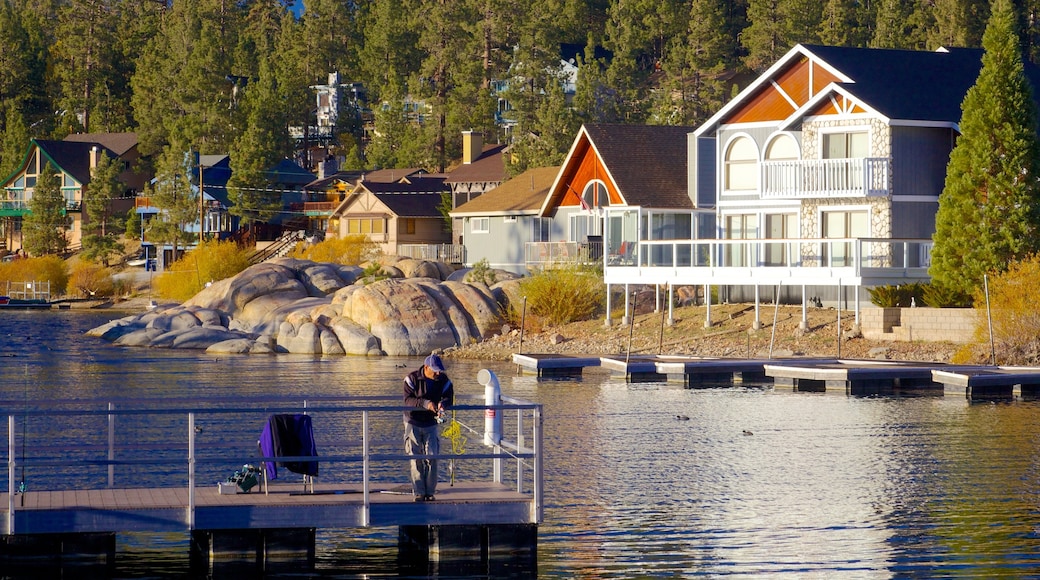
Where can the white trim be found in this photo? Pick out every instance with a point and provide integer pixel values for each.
(844, 130)
(723, 189)
(759, 203)
(827, 93)
(493, 213)
(925, 124)
(914, 198)
(772, 138)
(784, 94)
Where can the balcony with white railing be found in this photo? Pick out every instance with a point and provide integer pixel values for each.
(542, 255)
(775, 261)
(825, 178)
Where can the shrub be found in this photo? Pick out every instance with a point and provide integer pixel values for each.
(51, 269)
(209, 262)
(1013, 296)
(482, 273)
(91, 280)
(562, 295)
(350, 250)
(939, 295)
(892, 296)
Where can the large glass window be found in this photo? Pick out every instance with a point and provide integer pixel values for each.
(843, 224)
(778, 227)
(853, 145)
(742, 165)
(540, 229)
(739, 227)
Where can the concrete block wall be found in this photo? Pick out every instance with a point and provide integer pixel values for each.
(905, 324)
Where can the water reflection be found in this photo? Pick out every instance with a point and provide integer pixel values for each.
(825, 484)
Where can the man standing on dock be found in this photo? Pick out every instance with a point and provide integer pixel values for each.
(429, 391)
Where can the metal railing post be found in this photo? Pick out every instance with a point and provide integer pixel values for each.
(366, 506)
(10, 474)
(536, 478)
(519, 445)
(111, 446)
(191, 471)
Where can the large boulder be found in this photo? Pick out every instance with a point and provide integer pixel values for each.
(299, 306)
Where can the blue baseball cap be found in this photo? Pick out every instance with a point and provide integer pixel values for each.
(433, 362)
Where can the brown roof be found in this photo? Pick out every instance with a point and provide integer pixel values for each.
(490, 166)
(647, 162)
(525, 192)
(392, 174)
(118, 143)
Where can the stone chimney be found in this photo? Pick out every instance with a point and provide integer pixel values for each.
(472, 146)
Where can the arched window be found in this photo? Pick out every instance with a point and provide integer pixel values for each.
(742, 165)
(595, 195)
(782, 148)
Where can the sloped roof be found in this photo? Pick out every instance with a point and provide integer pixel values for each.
(393, 174)
(351, 177)
(521, 194)
(118, 143)
(490, 166)
(907, 84)
(420, 199)
(289, 173)
(72, 157)
(646, 162)
(901, 85)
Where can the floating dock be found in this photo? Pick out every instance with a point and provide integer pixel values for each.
(554, 365)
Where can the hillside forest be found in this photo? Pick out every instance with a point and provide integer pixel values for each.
(233, 76)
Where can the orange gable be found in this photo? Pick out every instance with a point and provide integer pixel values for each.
(773, 102)
(583, 166)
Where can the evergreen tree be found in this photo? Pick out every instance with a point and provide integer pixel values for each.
(256, 152)
(766, 38)
(989, 210)
(14, 140)
(173, 194)
(100, 239)
(958, 23)
(45, 225)
(543, 139)
(84, 57)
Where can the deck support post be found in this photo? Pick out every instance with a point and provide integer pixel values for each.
(707, 306)
(492, 550)
(70, 555)
(627, 318)
(757, 323)
(804, 324)
(222, 553)
(606, 323)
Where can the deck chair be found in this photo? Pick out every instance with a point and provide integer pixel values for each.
(289, 436)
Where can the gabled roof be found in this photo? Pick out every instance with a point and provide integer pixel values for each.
(645, 163)
(519, 195)
(70, 156)
(413, 200)
(349, 177)
(903, 86)
(393, 174)
(118, 143)
(489, 167)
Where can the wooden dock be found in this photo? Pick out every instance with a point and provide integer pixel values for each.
(484, 514)
(166, 509)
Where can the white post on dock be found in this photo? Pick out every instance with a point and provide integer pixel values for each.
(191, 471)
(10, 474)
(492, 417)
(367, 506)
(111, 446)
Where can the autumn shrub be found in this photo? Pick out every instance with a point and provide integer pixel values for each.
(209, 262)
(89, 280)
(350, 250)
(563, 295)
(46, 269)
(1013, 299)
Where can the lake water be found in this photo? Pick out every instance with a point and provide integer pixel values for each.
(825, 484)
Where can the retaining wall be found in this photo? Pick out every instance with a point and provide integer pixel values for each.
(907, 324)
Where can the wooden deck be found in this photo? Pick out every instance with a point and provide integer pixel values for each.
(162, 509)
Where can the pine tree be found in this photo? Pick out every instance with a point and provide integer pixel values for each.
(256, 152)
(172, 192)
(989, 210)
(45, 225)
(14, 138)
(102, 241)
(84, 57)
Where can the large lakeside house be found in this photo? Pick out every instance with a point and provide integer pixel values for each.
(819, 180)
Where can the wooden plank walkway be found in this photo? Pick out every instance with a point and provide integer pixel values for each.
(161, 509)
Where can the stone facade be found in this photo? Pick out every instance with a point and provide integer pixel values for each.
(909, 324)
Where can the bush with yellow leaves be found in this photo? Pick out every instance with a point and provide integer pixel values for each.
(209, 262)
(50, 270)
(1013, 296)
(89, 280)
(562, 295)
(351, 250)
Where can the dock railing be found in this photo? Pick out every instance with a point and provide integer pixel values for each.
(134, 443)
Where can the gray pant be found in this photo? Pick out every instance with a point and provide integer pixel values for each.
(422, 441)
